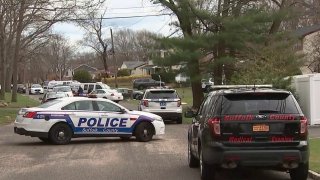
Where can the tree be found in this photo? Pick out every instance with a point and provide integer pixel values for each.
(82, 76)
(123, 72)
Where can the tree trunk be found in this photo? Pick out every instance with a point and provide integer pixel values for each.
(16, 54)
(105, 64)
(195, 78)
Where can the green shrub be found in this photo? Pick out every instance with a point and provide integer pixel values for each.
(82, 76)
(123, 72)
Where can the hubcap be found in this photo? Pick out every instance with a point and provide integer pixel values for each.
(61, 134)
(145, 132)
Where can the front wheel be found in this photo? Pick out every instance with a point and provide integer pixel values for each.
(60, 134)
(300, 173)
(144, 132)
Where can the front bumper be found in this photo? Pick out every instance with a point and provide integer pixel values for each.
(22, 131)
(159, 127)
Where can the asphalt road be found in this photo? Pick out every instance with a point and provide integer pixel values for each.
(164, 158)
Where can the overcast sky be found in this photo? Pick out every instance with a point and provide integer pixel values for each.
(121, 8)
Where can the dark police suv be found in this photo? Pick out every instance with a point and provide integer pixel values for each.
(249, 127)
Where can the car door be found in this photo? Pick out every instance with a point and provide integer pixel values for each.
(116, 120)
(83, 117)
(198, 122)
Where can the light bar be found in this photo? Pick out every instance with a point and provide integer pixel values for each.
(240, 86)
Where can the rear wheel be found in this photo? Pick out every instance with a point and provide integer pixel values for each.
(207, 171)
(192, 160)
(179, 121)
(60, 134)
(144, 132)
(300, 173)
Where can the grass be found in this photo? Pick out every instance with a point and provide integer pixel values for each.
(7, 114)
(314, 155)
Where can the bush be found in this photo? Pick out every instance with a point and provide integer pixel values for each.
(82, 76)
(167, 77)
(123, 72)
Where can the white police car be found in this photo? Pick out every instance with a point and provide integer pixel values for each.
(60, 120)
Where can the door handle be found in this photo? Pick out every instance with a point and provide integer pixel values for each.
(104, 115)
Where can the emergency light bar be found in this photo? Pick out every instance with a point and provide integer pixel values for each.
(240, 86)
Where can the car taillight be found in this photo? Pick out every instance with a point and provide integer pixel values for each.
(179, 103)
(30, 114)
(145, 103)
(214, 125)
(303, 125)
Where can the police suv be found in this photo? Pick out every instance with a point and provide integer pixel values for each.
(60, 120)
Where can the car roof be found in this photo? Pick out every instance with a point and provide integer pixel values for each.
(160, 90)
(251, 90)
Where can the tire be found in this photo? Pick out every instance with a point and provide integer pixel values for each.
(179, 121)
(60, 134)
(207, 171)
(299, 173)
(144, 132)
(192, 160)
(46, 140)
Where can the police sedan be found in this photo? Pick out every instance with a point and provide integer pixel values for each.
(60, 120)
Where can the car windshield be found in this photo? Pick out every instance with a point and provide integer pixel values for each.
(258, 103)
(36, 86)
(62, 89)
(50, 103)
(104, 86)
(161, 94)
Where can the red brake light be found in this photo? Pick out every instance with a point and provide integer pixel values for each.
(179, 103)
(303, 125)
(30, 114)
(214, 125)
(145, 103)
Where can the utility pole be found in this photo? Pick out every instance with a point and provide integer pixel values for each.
(115, 61)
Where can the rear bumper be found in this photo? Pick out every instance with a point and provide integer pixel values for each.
(262, 156)
(22, 131)
(168, 115)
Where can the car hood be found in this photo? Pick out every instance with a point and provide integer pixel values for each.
(154, 116)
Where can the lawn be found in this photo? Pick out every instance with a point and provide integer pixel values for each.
(7, 114)
(314, 155)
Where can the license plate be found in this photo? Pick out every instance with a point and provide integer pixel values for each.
(163, 103)
(260, 128)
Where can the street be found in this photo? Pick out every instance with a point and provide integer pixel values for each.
(107, 158)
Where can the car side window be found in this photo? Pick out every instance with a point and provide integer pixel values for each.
(201, 106)
(71, 106)
(85, 87)
(84, 105)
(98, 87)
(106, 106)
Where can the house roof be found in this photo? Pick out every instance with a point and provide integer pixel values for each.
(304, 31)
(133, 64)
(85, 67)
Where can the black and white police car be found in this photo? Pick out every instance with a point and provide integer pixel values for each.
(60, 120)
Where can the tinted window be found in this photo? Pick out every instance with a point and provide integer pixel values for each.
(106, 106)
(258, 103)
(161, 95)
(71, 106)
(91, 86)
(98, 87)
(85, 87)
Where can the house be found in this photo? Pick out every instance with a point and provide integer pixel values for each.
(135, 67)
(309, 45)
(92, 70)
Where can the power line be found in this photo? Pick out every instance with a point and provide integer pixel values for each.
(116, 17)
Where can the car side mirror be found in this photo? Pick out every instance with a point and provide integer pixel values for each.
(189, 114)
(123, 111)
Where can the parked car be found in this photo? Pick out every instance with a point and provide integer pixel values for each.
(49, 96)
(145, 83)
(137, 95)
(36, 89)
(89, 87)
(163, 102)
(206, 84)
(249, 127)
(107, 94)
(21, 88)
(63, 89)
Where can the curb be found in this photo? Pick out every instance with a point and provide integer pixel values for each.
(313, 175)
